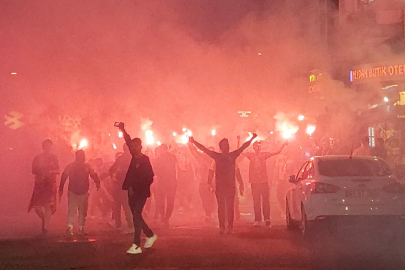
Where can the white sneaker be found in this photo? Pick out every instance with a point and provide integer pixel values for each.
(134, 249)
(256, 224)
(149, 241)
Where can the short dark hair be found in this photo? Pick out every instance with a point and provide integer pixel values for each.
(137, 141)
(79, 152)
(224, 140)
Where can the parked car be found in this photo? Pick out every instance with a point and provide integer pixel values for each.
(343, 189)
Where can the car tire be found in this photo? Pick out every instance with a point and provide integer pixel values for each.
(291, 225)
(305, 228)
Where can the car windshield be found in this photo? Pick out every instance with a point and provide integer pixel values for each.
(354, 167)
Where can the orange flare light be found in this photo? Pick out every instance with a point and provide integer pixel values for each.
(83, 143)
(149, 137)
(311, 129)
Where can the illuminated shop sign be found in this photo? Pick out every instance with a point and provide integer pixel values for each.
(366, 74)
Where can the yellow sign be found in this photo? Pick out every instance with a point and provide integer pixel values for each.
(12, 120)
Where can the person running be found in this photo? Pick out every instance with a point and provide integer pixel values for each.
(45, 167)
(137, 181)
(225, 166)
(78, 173)
(117, 172)
(165, 169)
(259, 182)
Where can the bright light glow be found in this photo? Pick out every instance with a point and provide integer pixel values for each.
(189, 133)
(120, 134)
(311, 129)
(184, 139)
(114, 146)
(301, 117)
(159, 143)
(259, 53)
(149, 137)
(174, 134)
(213, 132)
(83, 143)
(286, 127)
(386, 99)
(13, 73)
(184, 129)
(286, 134)
(271, 132)
(250, 136)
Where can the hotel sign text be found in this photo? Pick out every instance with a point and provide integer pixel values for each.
(377, 73)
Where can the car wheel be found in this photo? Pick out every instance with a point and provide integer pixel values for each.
(289, 221)
(304, 226)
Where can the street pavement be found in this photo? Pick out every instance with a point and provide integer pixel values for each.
(191, 243)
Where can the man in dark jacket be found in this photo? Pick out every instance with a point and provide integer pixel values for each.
(137, 181)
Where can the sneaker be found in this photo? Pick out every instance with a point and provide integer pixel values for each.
(69, 231)
(268, 224)
(82, 232)
(134, 249)
(149, 241)
(256, 224)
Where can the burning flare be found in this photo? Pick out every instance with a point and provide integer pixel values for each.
(83, 143)
(149, 137)
(311, 129)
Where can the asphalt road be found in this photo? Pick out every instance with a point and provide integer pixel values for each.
(193, 244)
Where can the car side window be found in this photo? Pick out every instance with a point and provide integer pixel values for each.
(310, 170)
(301, 172)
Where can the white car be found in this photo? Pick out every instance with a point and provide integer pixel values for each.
(339, 188)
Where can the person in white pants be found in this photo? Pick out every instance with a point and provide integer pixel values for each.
(78, 173)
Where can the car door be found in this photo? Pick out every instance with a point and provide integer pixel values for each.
(304, 187)
(295, 202)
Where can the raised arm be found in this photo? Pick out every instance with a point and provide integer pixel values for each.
(202, 147)
(126, 136)
(246, 144)
(198, 156)
(270, 154)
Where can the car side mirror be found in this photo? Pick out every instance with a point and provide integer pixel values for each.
(292, 179)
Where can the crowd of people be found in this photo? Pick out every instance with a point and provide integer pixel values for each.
(170, 178)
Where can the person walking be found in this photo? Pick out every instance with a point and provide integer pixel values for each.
(45, 167)
(137, 181)
(78, 173)
(165, 169)
(117, 172)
